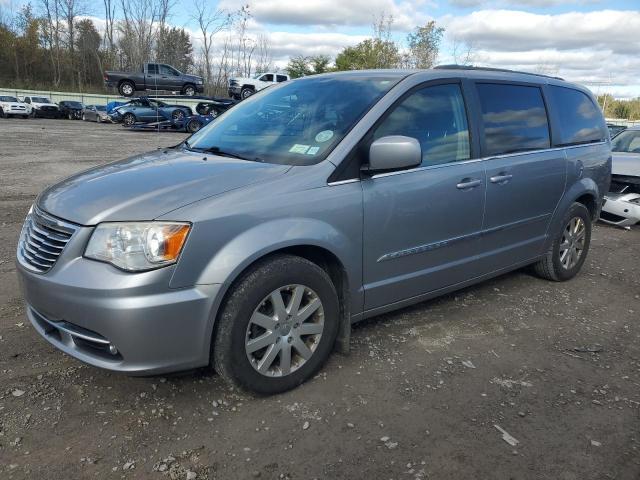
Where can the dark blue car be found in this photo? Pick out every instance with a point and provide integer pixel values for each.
(146, 110)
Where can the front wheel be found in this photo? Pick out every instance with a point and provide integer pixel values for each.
(193, 126)
(189, 90)
(177, 115)
(246, 92)
(568, 252)
(277, 327)
(128, 119)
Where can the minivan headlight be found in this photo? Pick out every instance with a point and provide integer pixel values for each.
(137, 246)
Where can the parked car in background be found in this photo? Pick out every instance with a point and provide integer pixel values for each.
(71, 109)
(42, 107)
(242, 87)
(95, 113)
(256, 243)
(622, 203)
(154, 76)
(12, 107)
(615, 129)
(148, 110)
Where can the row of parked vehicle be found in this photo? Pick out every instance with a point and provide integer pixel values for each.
(139, 113)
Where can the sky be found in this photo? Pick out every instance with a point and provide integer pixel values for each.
(593, 42)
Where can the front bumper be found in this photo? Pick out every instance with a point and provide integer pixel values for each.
(84, 308)
(621, 209)
(200, 88)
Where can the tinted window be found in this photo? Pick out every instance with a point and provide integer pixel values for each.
(580, 120)
(267, 78)
(281, 78)
(152, 68)
(167, 70)
(436, 117)
(514, 117)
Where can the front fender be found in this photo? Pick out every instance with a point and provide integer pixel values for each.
(240, 252)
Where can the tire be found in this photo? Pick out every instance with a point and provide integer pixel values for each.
(25, 116)
(126, 88)
(128, 119)
(2, 114)
(193, 126)
(69, 115)
(84, 119)
(177, 115)
(557, 265)
(189, 90)
(246, 92)
(280, 275)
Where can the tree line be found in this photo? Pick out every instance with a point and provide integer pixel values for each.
(623, 109)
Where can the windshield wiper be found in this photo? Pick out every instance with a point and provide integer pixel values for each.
(219, 151)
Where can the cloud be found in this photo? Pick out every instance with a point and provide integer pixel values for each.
(509, 30)
(406, 14)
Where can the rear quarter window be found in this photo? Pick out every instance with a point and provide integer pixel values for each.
(580, 121)
(514, 118)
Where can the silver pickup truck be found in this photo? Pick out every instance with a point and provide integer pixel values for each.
(154, 76)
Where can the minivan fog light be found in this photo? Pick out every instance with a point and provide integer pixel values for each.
(136, 246)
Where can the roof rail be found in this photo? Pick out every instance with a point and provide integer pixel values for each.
(490, 69)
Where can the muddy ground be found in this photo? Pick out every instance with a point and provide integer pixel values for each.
(425, 393)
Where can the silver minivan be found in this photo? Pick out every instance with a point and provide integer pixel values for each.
(255, 244)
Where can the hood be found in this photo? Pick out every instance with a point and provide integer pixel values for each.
(244, 79)
(195, 78)
(13, 104)
(627, 164)
(150, 185)
(38, 105)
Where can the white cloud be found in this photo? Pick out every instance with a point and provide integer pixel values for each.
(598, 49)
(406, 14)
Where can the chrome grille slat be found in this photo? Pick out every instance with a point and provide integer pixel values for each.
(47, 247)
(42, 241)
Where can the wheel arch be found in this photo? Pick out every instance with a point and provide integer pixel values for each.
(128, 80)
(313, 252)
(585, 192)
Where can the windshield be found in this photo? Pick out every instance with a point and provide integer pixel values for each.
(297, 123)
(8, 99)
(73, 104)
(40, 100)
(627, 141)
(101, 108)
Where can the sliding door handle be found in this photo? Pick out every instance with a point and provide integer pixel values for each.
(502, 178)
(467, 183)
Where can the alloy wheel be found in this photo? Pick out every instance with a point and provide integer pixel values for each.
(284, 330)
(572, 243)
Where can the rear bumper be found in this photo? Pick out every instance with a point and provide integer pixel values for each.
(123, 322)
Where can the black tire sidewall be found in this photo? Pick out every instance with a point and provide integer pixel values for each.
(122, 89)
(576, 210)
(245, 299)
(242, 93)
(124, 119)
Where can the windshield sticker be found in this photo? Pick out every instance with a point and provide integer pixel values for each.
(297, 148)
(324, 135)
(313, 150)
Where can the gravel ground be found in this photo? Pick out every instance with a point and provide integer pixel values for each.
(436, 391)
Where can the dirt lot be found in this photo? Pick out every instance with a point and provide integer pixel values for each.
(421, 395)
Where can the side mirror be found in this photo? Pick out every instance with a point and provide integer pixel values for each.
(394, 152)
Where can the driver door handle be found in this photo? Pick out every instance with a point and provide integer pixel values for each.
(467, 183)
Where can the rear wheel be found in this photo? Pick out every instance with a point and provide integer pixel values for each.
(193, 126)
(128, 119)
(126, 89)
(277, 327)
(568, 252)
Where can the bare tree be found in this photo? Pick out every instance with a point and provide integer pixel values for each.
(136, 31)
(52, 32)
(265, 58)
(210, 22)
(463, 52)
(70, 10)
(109, 39)
(245, 44)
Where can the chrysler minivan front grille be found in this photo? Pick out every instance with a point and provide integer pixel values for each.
(42, 241)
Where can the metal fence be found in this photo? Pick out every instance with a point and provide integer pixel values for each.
(89, 98)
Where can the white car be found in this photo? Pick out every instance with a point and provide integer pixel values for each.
(243, 87)
(42, 107)
(622, 203)
(11, 106)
